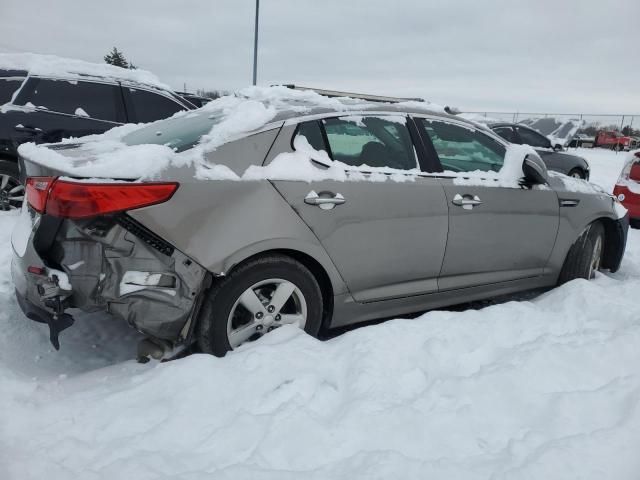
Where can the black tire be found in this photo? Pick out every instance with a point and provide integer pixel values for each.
(580, 259)
(211, 333)
(9, 169)
(577, 171)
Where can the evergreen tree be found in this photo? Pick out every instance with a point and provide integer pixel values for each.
(115, 57)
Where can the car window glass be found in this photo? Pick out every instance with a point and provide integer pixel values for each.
(84, 99)
(313, 133)
(534, 139)
(8, 86)
(371, 141)
(463, 149)
(147, 106)
(507, 133)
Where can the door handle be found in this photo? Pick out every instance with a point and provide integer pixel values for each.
(22, 128)
(466, 201)
(327, 201)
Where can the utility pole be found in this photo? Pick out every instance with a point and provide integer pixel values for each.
(255, 45)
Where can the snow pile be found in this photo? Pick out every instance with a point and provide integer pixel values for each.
(541, 386)
(226, 119)
(51, 65)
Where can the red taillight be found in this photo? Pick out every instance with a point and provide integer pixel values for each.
(68, 199)
(37, 191)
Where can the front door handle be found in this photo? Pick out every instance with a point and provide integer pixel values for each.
(22, 128)
(466, 201)
(325, 200)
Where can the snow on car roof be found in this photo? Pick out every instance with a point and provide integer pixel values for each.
(69, 68)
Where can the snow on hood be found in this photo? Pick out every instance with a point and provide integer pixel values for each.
(54, 66)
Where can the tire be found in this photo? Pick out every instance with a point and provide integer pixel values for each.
(585, 255)
(224, 319)
(577, 173)
(11, 190)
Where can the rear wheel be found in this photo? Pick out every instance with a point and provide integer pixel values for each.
(577, 173)
(11, 190)
(256, 298)
(585, 255)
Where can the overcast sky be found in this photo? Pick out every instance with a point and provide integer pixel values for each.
(538, 55)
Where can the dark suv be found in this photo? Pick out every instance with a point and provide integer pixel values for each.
(43, 109)
(554, 158)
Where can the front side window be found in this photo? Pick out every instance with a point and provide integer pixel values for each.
(84, 99)
(362, 141)
(534, 139)
(148, 107)
(463, 149)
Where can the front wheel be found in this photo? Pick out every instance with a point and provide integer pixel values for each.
(11, 190)
(256, 298)
(577, 173)
(585, 255)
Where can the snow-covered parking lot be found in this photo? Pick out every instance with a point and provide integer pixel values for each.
(540, 386)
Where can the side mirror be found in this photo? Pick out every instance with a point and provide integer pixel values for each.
(535, 170)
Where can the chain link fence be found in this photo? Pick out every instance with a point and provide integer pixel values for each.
(591, 122)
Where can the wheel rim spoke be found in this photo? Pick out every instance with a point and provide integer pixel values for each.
(291, 319)
(16, 189)
(16, 199)
(240, 335)
(4, 181)
(251, 302)
(281, 295)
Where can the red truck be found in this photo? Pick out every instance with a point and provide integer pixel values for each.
(614, 140)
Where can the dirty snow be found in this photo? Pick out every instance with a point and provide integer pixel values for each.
(542, 386)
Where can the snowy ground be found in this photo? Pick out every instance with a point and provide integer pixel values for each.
(537, 387)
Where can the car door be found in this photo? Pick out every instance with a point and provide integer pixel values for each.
(53, 109)
(544, 148)
(385, 225)
(496, 233)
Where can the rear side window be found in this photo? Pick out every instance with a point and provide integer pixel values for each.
(507, 133)
(371, 141)
(312, 131)
(463, 149)
(144, 106)
(8, 86)
(83, 99)
(534, 139)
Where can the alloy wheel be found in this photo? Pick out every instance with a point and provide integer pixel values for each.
(11, 192)
(596, 255)
(264, 306)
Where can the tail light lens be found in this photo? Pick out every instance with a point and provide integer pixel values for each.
(37, 192)
(68, 199)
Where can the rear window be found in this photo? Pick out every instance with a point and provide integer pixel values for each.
(177, 133)
(83, 99)
(8, 86)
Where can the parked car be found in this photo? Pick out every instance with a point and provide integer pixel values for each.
(627, 189)
(197, 100)
(325, 213)
(582, 140)
(554, 157)
(46, 107)
(614, 140)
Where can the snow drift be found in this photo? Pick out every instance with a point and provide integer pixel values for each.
(542, 386)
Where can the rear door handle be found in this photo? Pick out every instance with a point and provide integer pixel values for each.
(326, 200)
(466, 201)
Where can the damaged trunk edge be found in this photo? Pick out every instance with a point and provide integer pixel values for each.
(113, 264)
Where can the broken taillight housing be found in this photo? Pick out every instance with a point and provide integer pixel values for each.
(70, 199)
